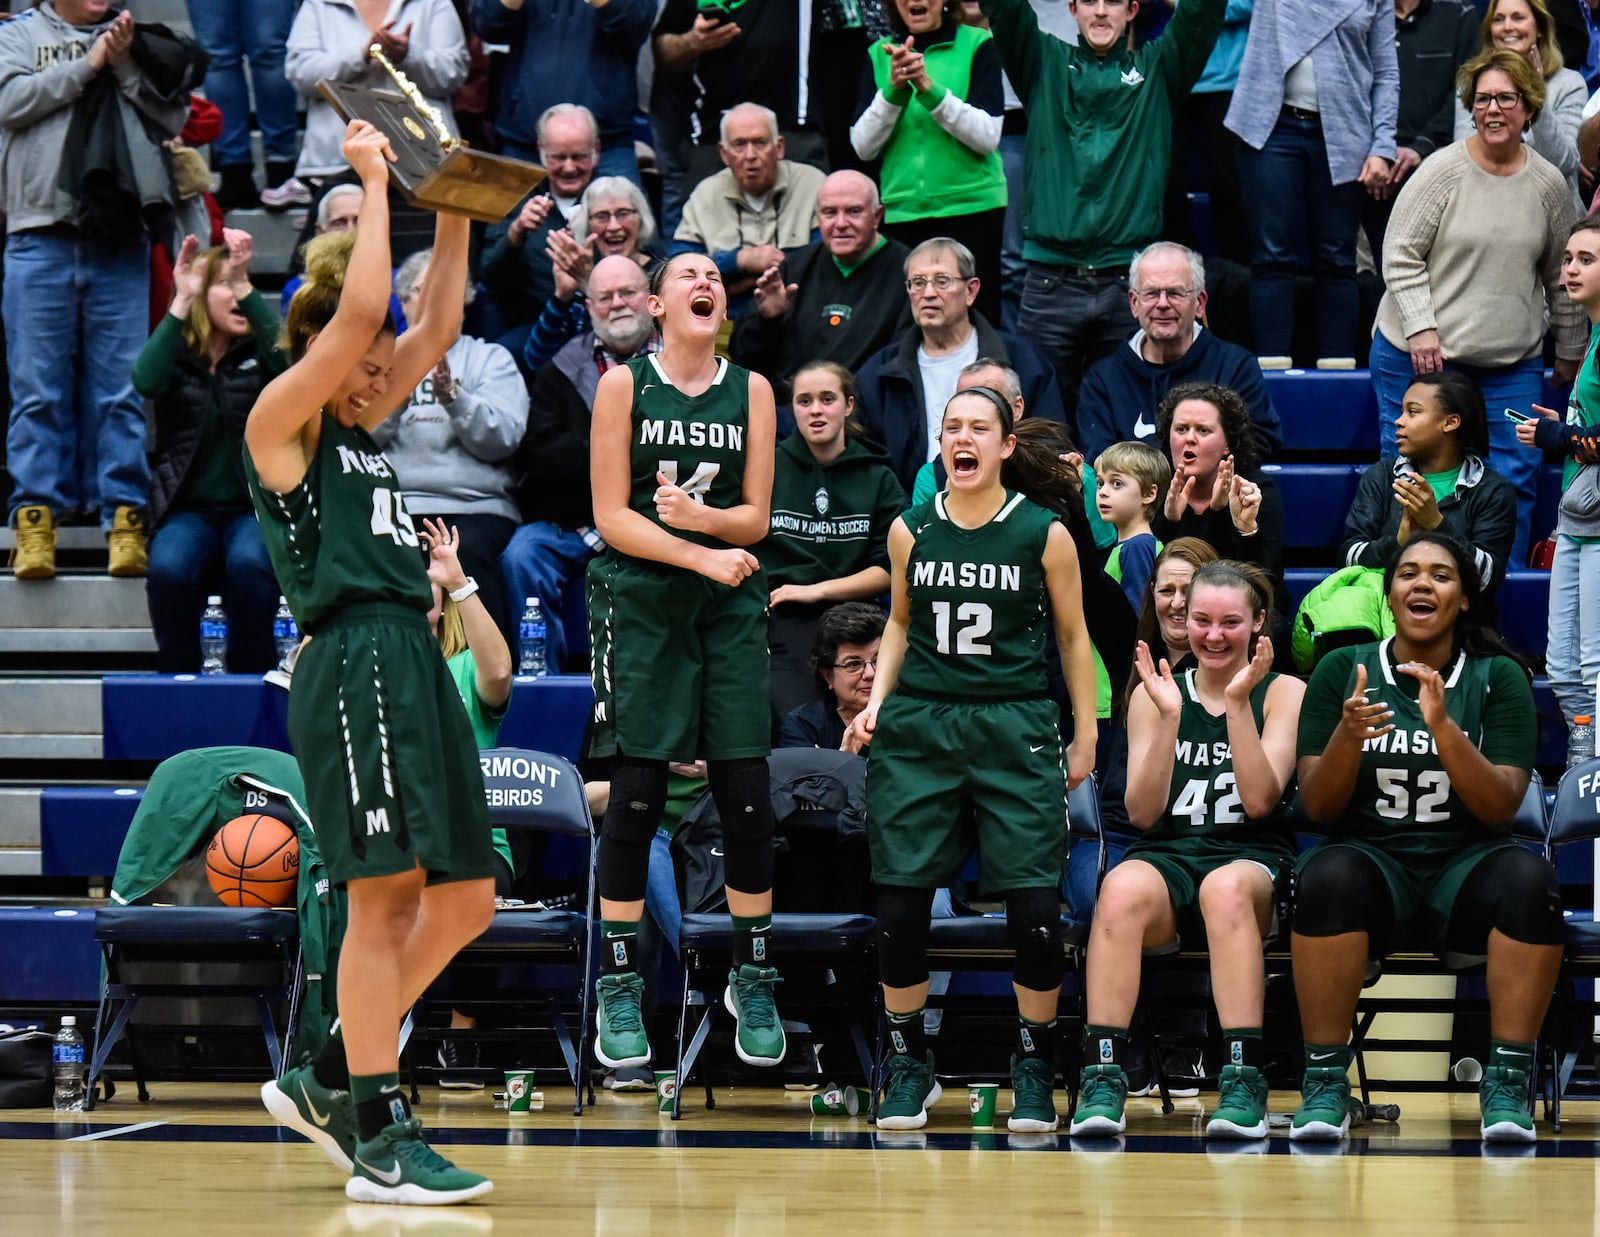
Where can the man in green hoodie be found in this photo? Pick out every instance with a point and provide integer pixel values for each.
(1098, 144)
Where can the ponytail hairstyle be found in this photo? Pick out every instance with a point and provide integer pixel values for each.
(1250, 580)
(1036, 469)
(452, 631)
(847, 384)
(317, 299)
(1191, 550)
(1473, 635)
(1458, 395)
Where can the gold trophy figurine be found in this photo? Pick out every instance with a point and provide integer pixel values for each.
(432, 169)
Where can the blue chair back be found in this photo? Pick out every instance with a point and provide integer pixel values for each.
(1532, 823)
(1577, 812)
(534, 790)
(1083, 809)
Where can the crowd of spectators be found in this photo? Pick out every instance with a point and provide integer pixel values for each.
(902, 197)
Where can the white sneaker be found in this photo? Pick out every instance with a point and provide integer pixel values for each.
(293, 192)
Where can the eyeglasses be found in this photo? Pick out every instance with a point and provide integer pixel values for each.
(579, 156)
(1505, 101)
(743, 145)
(1175, 296)
(855, 665)
(623, 214)
(940, 282)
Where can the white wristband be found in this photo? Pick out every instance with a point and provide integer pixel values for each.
(458, 595)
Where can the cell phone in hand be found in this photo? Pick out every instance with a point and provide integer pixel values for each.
(1511, 414)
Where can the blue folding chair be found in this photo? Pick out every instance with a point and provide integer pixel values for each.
(537, 790)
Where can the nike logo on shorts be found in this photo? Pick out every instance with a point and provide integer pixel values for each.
(389, 1177)
(1036, 747)
(312, 1108)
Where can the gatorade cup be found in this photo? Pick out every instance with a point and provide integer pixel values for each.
(983, 1098)
(836, 1101)
(666, 1090)
(520, 1095)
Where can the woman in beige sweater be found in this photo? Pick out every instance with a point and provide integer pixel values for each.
(1472, 264)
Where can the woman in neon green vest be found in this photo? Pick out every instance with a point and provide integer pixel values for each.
(934, 119)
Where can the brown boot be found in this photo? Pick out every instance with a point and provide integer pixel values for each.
(33, 546)
(128, 553)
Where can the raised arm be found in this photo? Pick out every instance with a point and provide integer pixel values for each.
(1155, 710)
(1263, 760)
(444, 299)
(293, 401)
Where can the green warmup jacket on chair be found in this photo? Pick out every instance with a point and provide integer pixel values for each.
(191, 796)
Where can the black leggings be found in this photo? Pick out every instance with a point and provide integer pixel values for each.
(743, 795)
(1033, 922)
(1342, 890)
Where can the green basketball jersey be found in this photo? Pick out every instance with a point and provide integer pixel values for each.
(697, 441)
(1204, 800)
(1403, 799)
(342, 536)
(979, 606)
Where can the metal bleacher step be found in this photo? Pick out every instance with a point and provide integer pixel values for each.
(50, 718)
(74, 614)
(275, 234)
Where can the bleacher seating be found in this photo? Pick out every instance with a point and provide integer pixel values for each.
(1325, 414)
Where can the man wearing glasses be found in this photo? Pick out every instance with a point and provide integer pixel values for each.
(1098, 144)
(755, 211)
(905, 387)
(516, 270)
(1167, 295)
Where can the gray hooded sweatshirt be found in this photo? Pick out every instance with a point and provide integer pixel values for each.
(461, 456)
(44, 67)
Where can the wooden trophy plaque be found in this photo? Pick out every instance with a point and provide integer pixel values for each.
(432, 169)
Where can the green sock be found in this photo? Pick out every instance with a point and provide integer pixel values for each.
(752, 940)
(1105, 1045)
(1511, 1052)
(1328, 1056)
(379, 1102)
(1242, 1046)
(621, 946)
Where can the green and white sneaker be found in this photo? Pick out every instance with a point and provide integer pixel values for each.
(1505, 1098)
(1033, 1083)
(620, 1042)
(304, 1105)
(748, 997)
(908, 1093)
(1102, 1102)
(1241, 1104)
(1326, 1106)
(399, 1167)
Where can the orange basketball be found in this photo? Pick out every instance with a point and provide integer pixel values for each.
(254, 861)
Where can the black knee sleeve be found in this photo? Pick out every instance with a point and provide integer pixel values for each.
(1340, 890)
(904, 916)
(1514, 891)
(742, 791)
(638, 797)
(1033, 921)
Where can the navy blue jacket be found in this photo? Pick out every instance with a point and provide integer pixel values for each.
(891, 405)
(565, 51)
(1120, 394)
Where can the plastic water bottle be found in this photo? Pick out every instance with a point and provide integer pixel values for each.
(69, 1066)
(213, 637)
(531, 641)
(285, 632)
(1580, 743)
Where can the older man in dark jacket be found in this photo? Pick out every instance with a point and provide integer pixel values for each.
(904, 388)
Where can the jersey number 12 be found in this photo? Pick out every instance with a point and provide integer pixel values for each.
(977, 619)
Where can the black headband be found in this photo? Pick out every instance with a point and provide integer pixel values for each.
(1007, 416)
